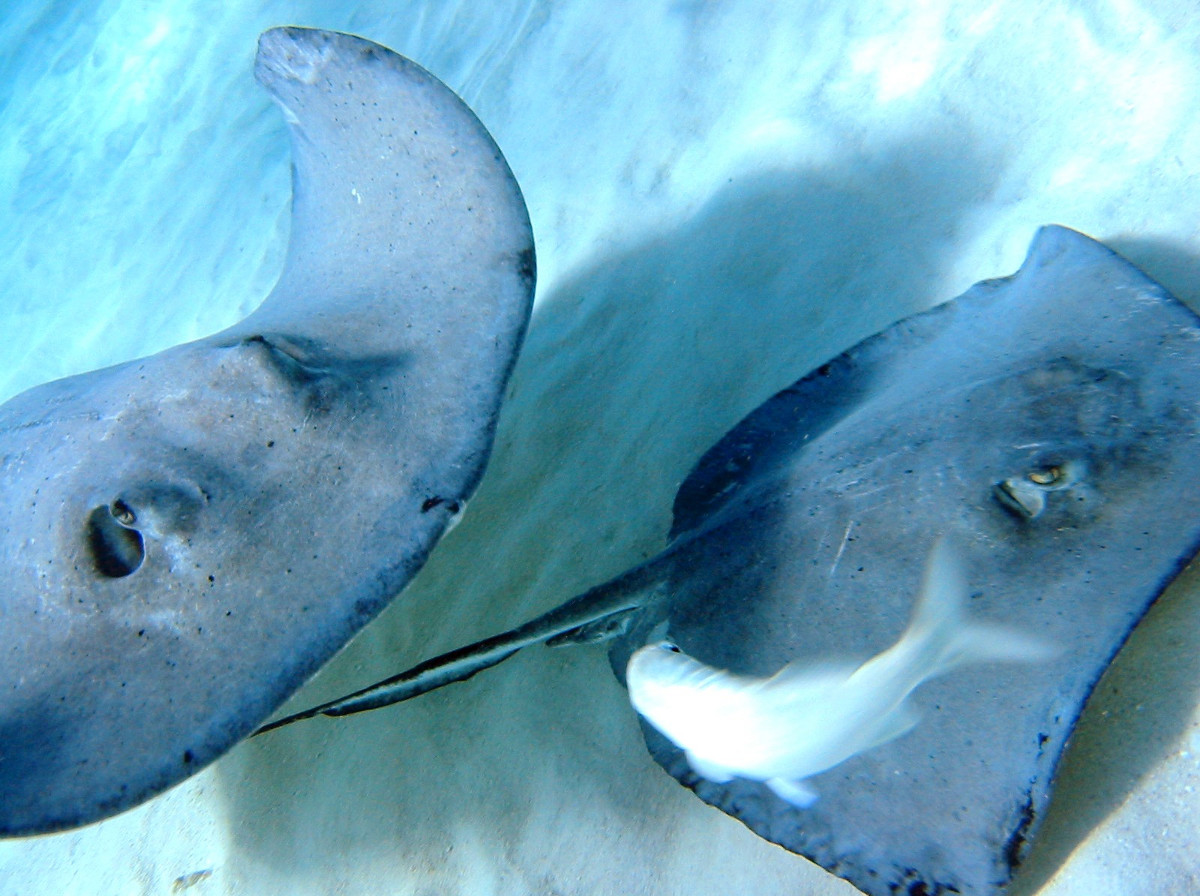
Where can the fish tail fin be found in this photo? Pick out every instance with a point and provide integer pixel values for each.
(948, 636)
(940, 607)
(987, 643)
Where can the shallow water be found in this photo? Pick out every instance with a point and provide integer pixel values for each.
(724, 195)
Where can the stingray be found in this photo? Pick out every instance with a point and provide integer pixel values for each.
(186, 538)
(1047, 423)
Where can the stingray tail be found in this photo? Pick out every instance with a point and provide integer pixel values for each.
(598, 614)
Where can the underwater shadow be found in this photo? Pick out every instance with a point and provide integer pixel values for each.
(632, 368)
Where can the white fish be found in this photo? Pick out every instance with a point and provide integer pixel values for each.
(808, 718)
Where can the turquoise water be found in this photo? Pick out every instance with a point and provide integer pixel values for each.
(144, 174)
(724, 194)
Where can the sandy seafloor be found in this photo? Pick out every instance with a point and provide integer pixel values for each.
(724, 195)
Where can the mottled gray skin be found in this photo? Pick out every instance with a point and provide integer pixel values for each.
(186, 538)
(1048, 423)
(799, 535)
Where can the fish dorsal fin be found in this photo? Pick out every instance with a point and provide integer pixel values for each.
(824, 673)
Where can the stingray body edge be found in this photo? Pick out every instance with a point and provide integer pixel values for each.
(1048, 422)
(187, 537)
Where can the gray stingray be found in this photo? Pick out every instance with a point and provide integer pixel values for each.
(186, 538)
(1046, 421)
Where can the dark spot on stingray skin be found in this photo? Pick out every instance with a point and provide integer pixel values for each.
(435, 501)
(1014, 849)
(526, 265)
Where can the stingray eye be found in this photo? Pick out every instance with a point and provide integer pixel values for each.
(1046, 475)
(123, 513)
(667, 645)
(1026, 495)
(117, 549)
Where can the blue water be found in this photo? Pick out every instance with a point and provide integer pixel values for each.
(144, 174)
(724, 194)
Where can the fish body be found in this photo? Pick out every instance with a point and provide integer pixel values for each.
(808, 717)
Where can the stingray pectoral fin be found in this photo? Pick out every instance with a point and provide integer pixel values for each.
(595, 609)
(417, 203)
(186, 538)
(1049, 423)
